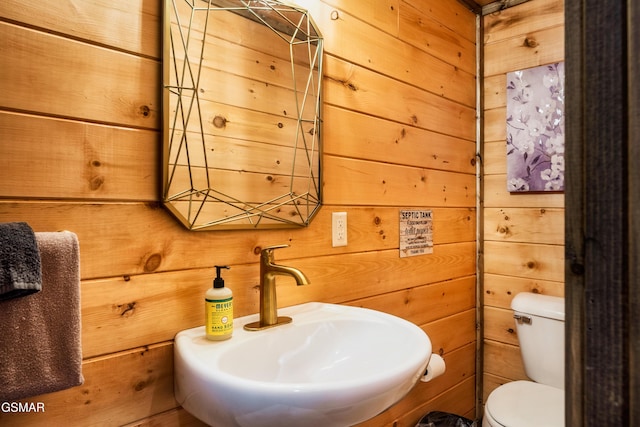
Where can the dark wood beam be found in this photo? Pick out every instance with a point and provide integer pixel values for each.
(601, 198)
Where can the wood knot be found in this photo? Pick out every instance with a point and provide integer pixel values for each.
(96, 182)
(127, 309)
(531, 265)
(576, 268)
(142, 384)
(152, 263)
(145, 111)
(377, 220)
(220, 122)
(530, 42)
(351, 86)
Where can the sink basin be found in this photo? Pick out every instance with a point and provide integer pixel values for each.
(333, 365)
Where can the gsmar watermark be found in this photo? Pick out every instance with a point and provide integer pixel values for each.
(15, 407)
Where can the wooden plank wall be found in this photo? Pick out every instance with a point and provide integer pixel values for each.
(523, 233)
(80, 144)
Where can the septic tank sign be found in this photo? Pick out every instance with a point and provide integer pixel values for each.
(416, 233)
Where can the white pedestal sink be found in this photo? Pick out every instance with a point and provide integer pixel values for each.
(333, 366)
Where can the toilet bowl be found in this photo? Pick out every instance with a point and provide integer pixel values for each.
(524, 404)
(537, 403)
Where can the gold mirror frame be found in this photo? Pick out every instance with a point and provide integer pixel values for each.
(242, 114)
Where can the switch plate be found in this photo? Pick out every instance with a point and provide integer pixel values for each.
(339, 229)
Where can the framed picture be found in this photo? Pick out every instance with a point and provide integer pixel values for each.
(535, 129)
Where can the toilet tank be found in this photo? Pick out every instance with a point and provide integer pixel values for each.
(540, 326)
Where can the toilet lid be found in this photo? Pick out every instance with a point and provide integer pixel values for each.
(526, 404)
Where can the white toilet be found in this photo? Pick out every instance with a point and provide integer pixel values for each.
(540, 326)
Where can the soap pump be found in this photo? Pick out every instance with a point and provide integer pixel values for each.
(218, 309)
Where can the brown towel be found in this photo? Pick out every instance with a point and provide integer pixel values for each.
(40, 348)
(20, 271)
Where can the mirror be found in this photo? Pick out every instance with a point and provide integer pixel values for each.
(242, 114)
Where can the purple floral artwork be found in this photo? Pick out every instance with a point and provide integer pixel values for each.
(535, 129)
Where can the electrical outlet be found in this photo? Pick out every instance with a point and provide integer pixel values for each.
(339, 229)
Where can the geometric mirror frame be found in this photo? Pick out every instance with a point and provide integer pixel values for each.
(242, 114)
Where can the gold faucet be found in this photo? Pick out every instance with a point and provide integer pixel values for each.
(268, 303)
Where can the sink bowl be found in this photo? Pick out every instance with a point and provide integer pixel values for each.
(333, 365)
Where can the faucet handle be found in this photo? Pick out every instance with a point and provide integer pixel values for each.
(274, 247)
(267, 255)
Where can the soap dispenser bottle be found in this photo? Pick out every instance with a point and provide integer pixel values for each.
(218, 309)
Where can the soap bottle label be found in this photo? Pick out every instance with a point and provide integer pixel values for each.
(219, 316)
